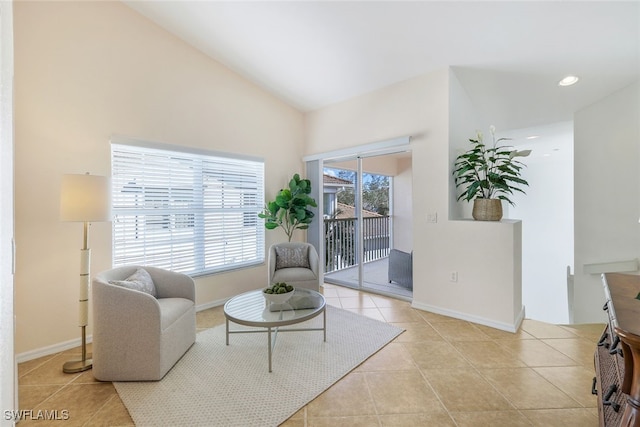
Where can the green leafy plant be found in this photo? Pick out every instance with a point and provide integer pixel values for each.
(489, 172)
(290, 209)
(278, 288)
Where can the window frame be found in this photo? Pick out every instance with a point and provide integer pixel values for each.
(232, 200)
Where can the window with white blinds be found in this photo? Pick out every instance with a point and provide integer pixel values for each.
(190, 212)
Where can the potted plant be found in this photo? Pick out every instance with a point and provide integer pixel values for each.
(290, 209)
(489, 175)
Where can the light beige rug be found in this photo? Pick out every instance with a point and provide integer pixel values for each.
(218, 385)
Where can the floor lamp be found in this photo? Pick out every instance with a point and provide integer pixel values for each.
(84, 198)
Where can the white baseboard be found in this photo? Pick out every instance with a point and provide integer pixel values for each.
(67, 345)
(211, 304)
(50, 349)
(474, 319)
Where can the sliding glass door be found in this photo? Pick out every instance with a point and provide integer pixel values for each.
(358, 222)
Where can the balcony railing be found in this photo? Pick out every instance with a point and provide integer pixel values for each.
(340, 241)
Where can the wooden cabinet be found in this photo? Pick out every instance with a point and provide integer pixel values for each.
(617, 358)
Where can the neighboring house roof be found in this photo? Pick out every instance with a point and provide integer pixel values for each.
(348, 211)
(330, 179)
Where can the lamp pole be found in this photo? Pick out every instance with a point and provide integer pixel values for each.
(85, 363)
(84, 198)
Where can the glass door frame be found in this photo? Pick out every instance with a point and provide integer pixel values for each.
(315, 167)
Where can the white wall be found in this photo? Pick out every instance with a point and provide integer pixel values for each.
(86, 71)
(607, 192)
(487, 257)
(488, 290)
(546, 212)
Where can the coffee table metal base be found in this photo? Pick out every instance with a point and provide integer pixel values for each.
(251, 309)
(272, 334)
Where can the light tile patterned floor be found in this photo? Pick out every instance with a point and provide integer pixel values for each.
(439, 372)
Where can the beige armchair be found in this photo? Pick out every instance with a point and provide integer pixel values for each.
(141, 329)
(294, 263)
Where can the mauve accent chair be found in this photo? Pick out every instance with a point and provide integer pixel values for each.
(138, 336)
(296, 264)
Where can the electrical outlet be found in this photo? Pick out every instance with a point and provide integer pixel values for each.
(432, 217)
(453, 277)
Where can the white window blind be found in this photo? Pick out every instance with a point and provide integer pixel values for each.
(189, 212)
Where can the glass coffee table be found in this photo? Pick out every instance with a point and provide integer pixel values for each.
(252, 309)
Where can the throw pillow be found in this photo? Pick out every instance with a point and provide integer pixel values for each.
(292, 257)
(139, 281)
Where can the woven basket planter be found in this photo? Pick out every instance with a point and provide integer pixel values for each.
(487, 209)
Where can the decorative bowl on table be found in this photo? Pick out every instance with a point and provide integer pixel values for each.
(278, 293)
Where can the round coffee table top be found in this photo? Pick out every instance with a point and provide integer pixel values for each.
(252, 309)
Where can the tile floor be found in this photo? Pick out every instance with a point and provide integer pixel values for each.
(439, 372)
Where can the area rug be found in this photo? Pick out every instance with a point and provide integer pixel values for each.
(218, 385)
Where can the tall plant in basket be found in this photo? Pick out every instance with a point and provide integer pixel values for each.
(489, 174)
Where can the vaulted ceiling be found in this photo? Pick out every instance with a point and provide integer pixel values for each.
(508, 55)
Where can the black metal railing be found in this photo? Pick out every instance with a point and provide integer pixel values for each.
(340, 241)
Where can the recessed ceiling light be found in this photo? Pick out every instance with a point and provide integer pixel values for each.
(568, 81)
(533, 137)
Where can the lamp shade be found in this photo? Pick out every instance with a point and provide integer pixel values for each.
(85, 198)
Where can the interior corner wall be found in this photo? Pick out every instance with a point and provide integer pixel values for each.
(488, 289)
(85, 71)
(463, 124)
(484, 294)
(606, 194)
